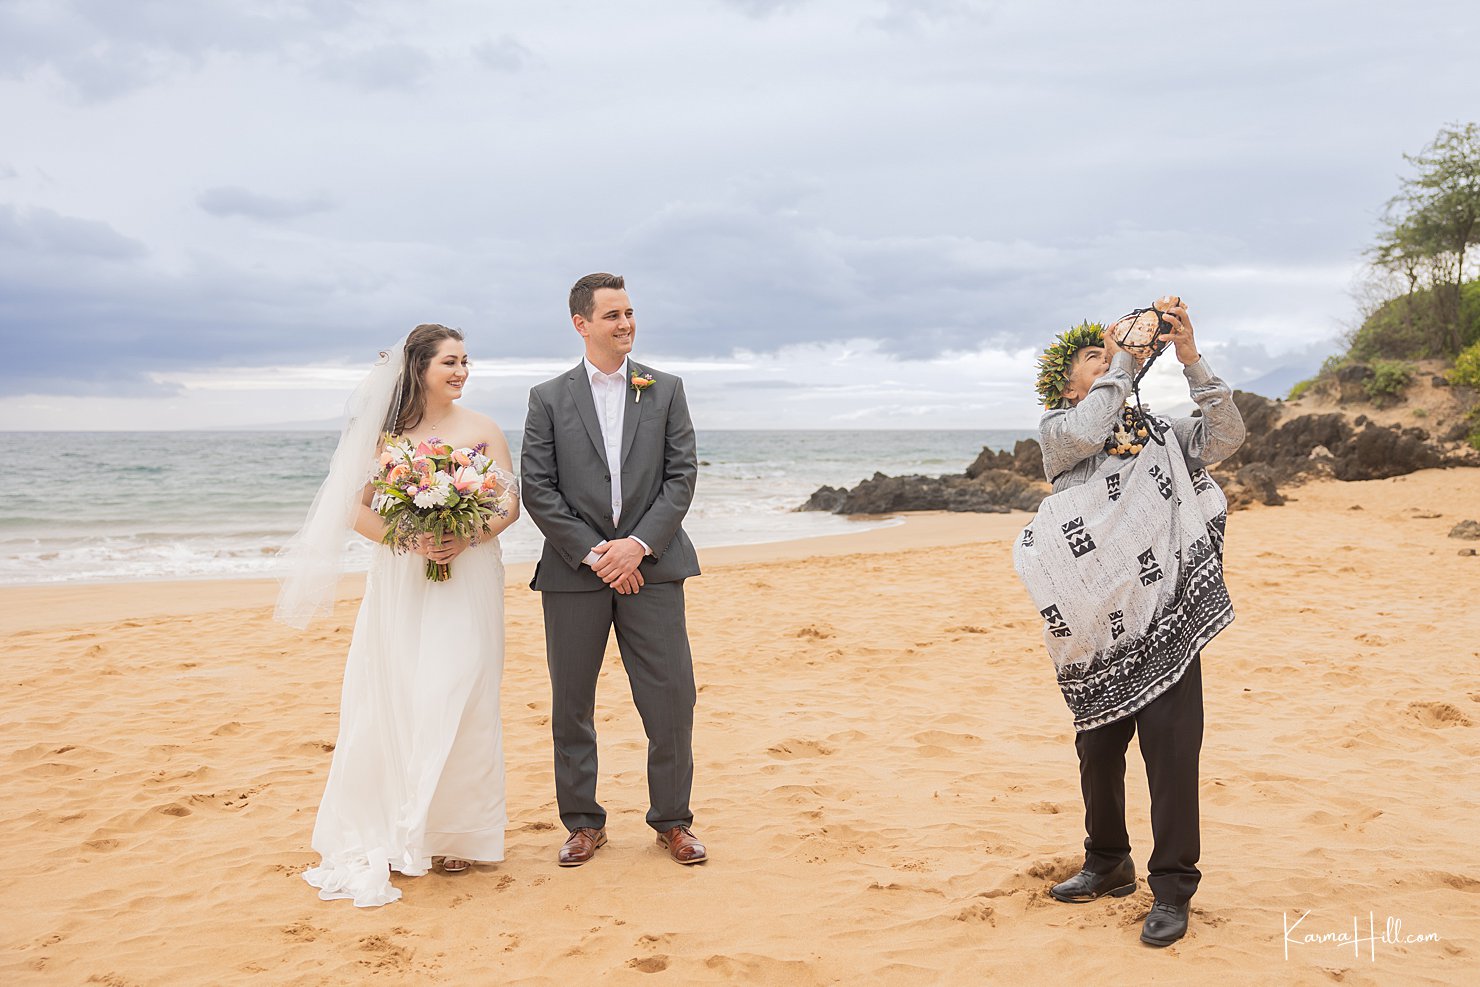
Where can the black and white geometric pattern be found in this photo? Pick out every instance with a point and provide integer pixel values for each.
(1121, 681)
(1134, 588)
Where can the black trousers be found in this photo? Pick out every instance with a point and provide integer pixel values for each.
(1171, 729)
(654, 641)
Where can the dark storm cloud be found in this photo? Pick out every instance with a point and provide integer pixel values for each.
(232, 200)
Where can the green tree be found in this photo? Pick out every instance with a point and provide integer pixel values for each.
(1429, 228)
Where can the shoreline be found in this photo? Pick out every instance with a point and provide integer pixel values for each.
(21, 606)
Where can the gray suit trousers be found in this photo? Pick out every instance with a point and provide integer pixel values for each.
(654, 642)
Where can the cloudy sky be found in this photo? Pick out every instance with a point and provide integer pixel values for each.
(831, 213)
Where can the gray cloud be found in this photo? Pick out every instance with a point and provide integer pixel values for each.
(233, 200)
(763, 8)
(42, 231)
(913, 15)
(103, 50)
(503, 54)
(393, 65)
(937, 176)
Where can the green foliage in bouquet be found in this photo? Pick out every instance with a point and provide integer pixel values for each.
(433, 489)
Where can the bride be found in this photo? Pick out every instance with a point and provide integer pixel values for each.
(418, 769)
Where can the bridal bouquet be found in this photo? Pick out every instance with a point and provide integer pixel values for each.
(432, 488)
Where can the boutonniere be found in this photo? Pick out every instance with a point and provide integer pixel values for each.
(640, 383)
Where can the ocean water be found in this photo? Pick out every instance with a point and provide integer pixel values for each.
(122, 506)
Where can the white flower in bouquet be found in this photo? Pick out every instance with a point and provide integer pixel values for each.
(437, 494)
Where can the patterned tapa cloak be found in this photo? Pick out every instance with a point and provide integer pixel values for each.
(1127, 572)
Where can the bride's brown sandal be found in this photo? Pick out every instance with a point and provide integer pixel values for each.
(455, 865)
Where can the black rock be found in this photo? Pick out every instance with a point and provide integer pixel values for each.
(1027, 459)
(1360, 449)
(1259, 412)
(825, 499)
(992, 491)
(1253, 484)
(989, 459)
(1376, 452)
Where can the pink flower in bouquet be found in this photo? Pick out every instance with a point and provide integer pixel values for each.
(461, 457)
(467, 479)
(386, 459)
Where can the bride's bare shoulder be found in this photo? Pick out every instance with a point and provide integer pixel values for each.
(486, 428)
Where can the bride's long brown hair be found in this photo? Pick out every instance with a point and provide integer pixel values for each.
(411, 404)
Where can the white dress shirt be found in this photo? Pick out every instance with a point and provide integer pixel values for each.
(609, 392)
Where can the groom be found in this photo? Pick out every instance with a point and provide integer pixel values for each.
(609, 468)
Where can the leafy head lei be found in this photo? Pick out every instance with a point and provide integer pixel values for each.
(1053, 365)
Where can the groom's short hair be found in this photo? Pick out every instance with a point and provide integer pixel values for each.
(583, 292)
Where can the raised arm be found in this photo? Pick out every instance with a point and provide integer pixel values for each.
(1219, 431)
(1071, 435)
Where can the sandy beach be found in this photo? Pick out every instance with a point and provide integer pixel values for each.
(885, 778)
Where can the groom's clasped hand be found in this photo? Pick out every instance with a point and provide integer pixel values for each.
(618, 564)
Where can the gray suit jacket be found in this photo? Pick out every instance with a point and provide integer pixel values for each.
(566, 484)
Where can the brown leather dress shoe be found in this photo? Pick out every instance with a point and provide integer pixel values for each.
(683, 846)
(581, 846)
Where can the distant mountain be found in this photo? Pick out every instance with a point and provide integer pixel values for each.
(1276, 383)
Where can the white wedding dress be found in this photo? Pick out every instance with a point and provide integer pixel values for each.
(418, 768)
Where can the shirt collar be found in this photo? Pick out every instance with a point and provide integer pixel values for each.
(593, 371)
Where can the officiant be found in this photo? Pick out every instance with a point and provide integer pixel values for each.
(1125, 561)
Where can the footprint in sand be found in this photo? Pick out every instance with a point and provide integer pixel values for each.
(1439, 715)
(788, 749)
(386, 954)
(302, 932)
(173, 809)
(816, 632)
(649, 964)
(977, 913)
(944, 738)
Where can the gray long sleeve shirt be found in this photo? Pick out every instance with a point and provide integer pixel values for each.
(1074, 438)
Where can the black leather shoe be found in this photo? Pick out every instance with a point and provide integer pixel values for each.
(1165, 924)
(1087, 885)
